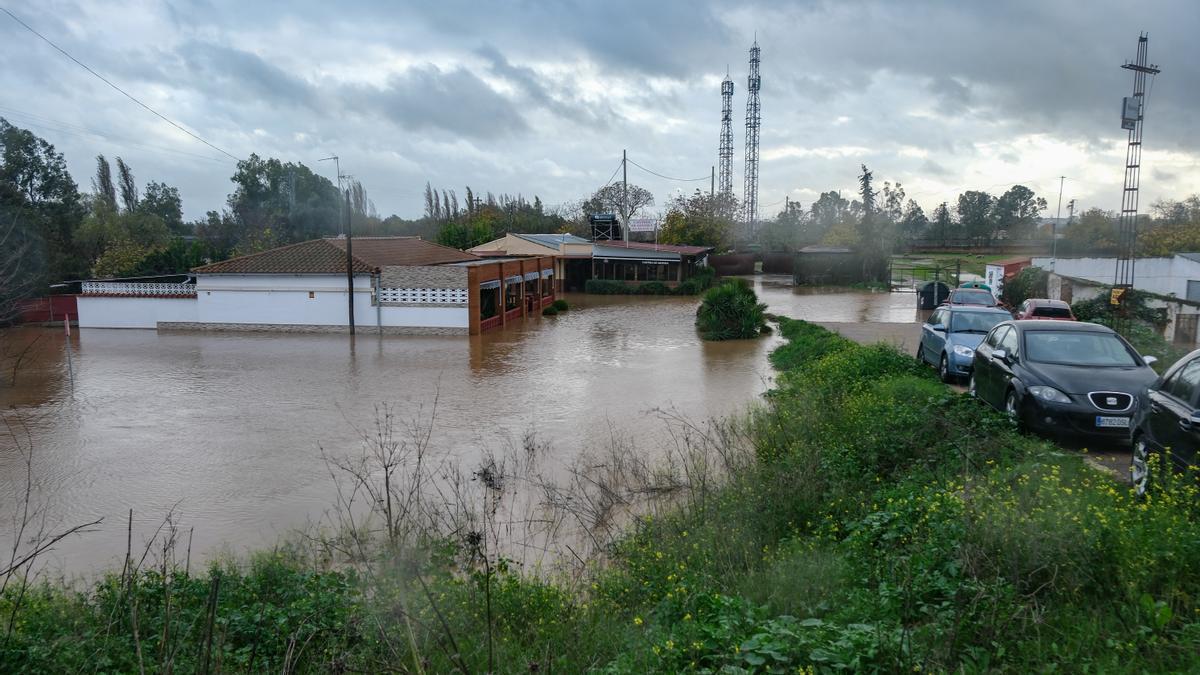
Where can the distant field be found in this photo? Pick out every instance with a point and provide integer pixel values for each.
(971, 263)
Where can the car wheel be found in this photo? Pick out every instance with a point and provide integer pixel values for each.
(971, 390)
(1139, 466)
(1012, 407)
(921, 353)
(944, 371)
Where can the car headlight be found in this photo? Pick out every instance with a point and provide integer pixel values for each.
(966, 352)
(1049, 394)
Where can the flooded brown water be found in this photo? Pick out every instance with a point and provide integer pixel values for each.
(230, 426)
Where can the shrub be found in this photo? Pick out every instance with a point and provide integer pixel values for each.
(560, 304)
(1028, 283)
(653, 288)
(701, 280)
(731, 311)
(606, 287)
(550, 310)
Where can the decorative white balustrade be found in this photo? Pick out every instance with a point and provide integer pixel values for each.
(138, 289)
(423, 296)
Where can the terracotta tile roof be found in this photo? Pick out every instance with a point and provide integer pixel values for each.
(317, 256)
(390, 251)
(328, 256)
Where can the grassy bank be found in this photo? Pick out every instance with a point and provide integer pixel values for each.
(864, 518)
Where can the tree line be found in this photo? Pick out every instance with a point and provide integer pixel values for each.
(52, 231)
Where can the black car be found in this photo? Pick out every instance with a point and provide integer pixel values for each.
(1168, 419)
(1061, 377)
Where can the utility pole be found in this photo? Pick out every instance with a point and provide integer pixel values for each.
(625, 195)
(1070, 211)
(1054, 229)
(712, 182)
(1133, 111)
(349, 261)
(337, 166)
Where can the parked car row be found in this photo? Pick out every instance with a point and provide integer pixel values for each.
(1058, 376)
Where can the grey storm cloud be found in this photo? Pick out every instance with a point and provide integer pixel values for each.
(541, 97)
(233, 73)
(455, 101)
(537, 92)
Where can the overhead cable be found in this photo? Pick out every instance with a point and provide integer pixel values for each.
(131, 97)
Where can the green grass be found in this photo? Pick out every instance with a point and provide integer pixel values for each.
(972, 263)
(882, 524)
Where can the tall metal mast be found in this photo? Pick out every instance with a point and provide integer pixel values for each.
(726, 153)
(753, 122)
(1132, 114)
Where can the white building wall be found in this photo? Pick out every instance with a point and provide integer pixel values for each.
(279, 299)
(1155, 275)
(276, 299)
(1184, 270)
(133, 312)
(267, 300)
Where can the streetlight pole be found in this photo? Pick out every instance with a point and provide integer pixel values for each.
(337, 166)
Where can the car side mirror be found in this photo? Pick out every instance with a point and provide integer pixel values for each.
(938, 327)
(1150, 360)
(1000, 354)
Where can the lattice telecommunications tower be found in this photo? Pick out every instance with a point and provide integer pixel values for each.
(1132, 112)
(725, 159)
(753, 122)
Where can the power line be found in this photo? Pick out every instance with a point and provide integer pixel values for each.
(122, 91)
(682, 180)
(613, 176)
(61, 127)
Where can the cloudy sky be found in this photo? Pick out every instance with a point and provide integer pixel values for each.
(540, 97)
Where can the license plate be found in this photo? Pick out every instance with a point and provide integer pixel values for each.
(1119, 422)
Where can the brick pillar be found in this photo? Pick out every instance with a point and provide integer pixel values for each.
(473, 301)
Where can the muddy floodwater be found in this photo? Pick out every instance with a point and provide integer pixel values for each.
(229, 428)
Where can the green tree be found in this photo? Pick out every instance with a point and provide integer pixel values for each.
(975, 215)
(102, 182)
(128, 187)
(1095, 231)
(163, 201)
(943, 227)
(786, 232)
(469, 232)
(46, 199)
(115, 243)
(612, 199)
(699, 220)
(281, 202)
(828, 211)
(913, 222)
(1016, 212)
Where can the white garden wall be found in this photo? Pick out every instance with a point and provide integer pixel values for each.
(133, 312)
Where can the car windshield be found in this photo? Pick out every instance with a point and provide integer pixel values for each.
(1077, 348)
(967, 297)
(1052, 312)
(975, 322)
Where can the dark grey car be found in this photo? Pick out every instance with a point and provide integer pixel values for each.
(1168, 421)
(1062, 377)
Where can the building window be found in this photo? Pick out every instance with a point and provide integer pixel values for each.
(489, 302)
(1193, 290)
(512, 296)
(311, 295)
